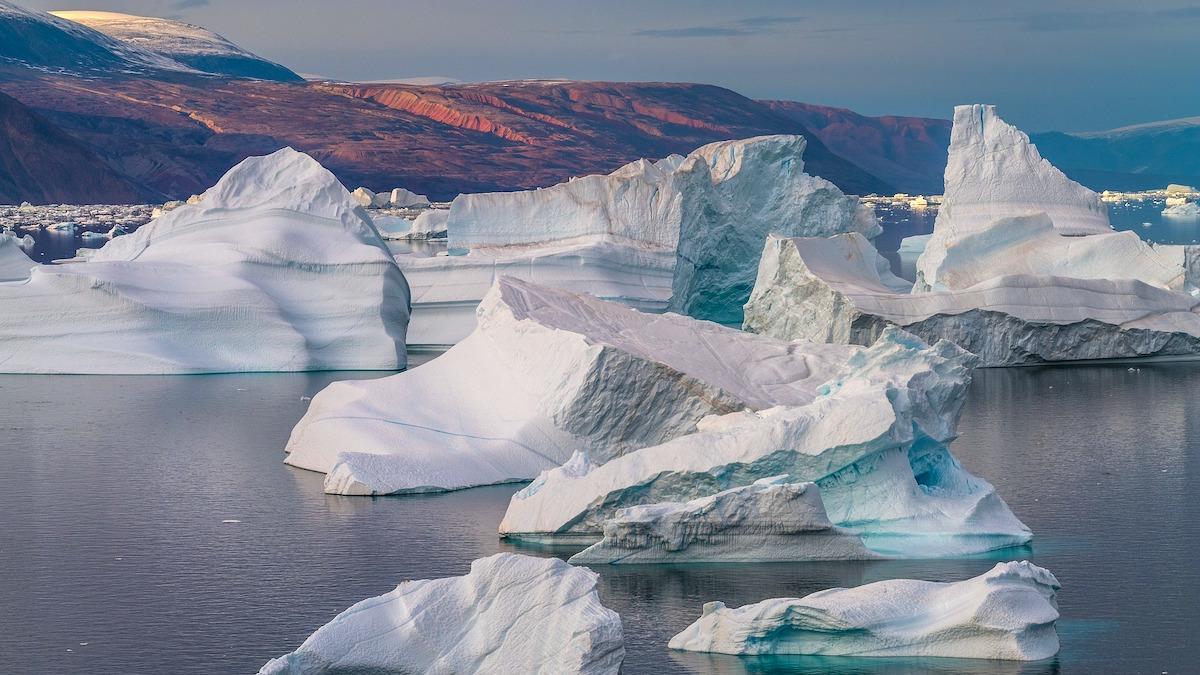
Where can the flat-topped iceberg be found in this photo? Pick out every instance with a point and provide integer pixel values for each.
(1007, 613)
(683, 233)
(768, 520)
(873, 440)
(545, 373)
(510, 614)
(840, 290)
(276, 269)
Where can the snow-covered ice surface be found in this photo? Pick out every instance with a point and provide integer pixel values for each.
(545, 373)
(1007, 613)
(840, 290)
(510, 614)
(873, 439)
(14, 264)
(275, 270)
(993, 171)
(682, 233)
(766, 521)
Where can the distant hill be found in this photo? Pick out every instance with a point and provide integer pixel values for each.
(184, 43)
(40, 163)
(1135, 157)
(908, 152)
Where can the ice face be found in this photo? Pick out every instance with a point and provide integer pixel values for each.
(276, 269)
(546, 373)
(510, 614)
(1007, 613)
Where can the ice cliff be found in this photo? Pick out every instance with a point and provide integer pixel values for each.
(873, 440)
(510, 614)
(545, 373)
(1007, 613)
(683, 233)
(274, 270)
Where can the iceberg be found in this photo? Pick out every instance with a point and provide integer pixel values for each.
(683, 233)
(15, 265)
(275, 270)
(840, 290)
(545, 373)
(873, 440)
(401, 198)
(993, 171)
(510, 614)
(1185, 210)
(770, 520)
(1007, 613)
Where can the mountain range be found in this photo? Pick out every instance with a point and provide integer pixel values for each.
(161, 109)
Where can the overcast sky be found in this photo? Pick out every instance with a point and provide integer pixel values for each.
(1071, 66)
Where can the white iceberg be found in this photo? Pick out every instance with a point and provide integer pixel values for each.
(1007, 613)
(510, 614)
(993, 171)
(275, 270)
(840, 290)
(545, 373)
(430, 224)
(1185, 210)
(769, 520)
(15, 265)
(400, 198)
(874, 440)
(697, 220)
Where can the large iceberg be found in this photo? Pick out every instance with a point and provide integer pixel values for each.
(15, 265)
(545, 373)
(993, 171)
(769, 520)
(683, 233)
(840, 290)
(1007, 613)
(511, 614)
(874, 440)
(275, 270)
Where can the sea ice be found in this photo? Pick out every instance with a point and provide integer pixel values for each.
(840, 290)
(510, 614)
(546, 372)
(1007, 613)
(873, 439)
(275, 270)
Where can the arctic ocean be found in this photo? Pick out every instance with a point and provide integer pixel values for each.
(141, 538)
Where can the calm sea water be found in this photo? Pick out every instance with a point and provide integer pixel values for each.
(114, 557)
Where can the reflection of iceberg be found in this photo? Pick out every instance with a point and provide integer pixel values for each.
(683, 233)
(545, 373)
(874, 441)
(511, 614)
(275, 270)
(1007, 613)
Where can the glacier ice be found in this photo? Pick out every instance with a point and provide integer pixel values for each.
(839, 289)
(873, 440)
(15, 265)
(769, 520)
(275, 270)
(545, 373)
(1185, 210)
(993, 171)
(697, 222)
(1007, 613)
(400, 197)
(510, 614)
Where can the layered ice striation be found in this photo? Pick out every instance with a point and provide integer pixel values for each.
(993, 171)
(840, 290)
(510, 614)
(1007, 613)
(682, 233)
(769, 520)
(274, 270)
(873, 440)
(545, 373)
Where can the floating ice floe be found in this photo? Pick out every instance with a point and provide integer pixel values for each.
(275, 270)
(545, 373)
(1185, 210)
(683, 233)
(1007, 613)
(399, 197)
(874, 440)
(510, 614)
(840, 290)
(769, 520)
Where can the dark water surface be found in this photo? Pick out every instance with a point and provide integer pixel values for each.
(113, 491)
